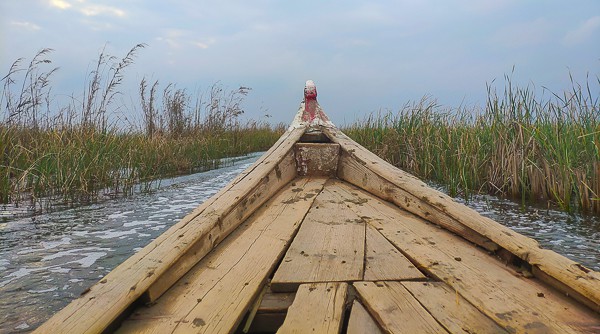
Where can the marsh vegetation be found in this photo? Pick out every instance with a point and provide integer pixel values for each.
(537, 150)
(84, 149)
(519, 145)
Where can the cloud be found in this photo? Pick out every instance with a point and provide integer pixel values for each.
(87, 9)
(179, 38)
(583, 32)
(60, 4)
(95, 10)
(24, 25)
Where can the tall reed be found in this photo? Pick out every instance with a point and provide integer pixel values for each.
(76, 153)
(519, 146)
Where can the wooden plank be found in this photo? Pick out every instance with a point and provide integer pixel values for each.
(316, 159)
(214, 296)
(329, 246)
(366, 170)
(318, 308)
(107, 299)
(450, 309)
(276, 302)
(222, 228)
(512, 301)
(359, 174)
(384, 262)
(272, 311)
(361, 322)
(395, 309)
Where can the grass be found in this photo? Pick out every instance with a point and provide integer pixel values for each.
(518, 146)
(75, 153)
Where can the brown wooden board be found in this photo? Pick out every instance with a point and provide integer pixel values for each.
(274, 302)
(316, 159)
(359, 166)
(361, 322)
(512, 301)
(328, 247)
(450, 309)
(214, 296)
(237, 213)
(384, 262)
(395, 309)
(106, 300)
(318, 308)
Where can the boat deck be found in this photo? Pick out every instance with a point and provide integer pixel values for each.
(323, 256)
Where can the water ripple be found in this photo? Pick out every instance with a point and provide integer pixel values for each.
(48, 260)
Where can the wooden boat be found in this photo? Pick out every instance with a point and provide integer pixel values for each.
(322, 236)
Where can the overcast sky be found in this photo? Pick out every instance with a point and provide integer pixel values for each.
(363, 56)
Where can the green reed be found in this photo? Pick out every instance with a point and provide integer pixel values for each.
(518, 145)
(75, 153)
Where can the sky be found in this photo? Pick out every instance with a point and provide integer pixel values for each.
(364, 56)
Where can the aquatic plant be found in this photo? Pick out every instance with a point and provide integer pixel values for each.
(518, 145)
(76, 153)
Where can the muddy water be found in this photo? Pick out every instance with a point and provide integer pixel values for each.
(48, 260)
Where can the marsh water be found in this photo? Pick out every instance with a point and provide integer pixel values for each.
(47, 260)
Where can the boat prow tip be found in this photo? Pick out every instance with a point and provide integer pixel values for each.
(310, 112)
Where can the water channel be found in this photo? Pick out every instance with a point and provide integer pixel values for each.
(47, 260)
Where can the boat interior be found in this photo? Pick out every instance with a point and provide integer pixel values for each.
(324, 255)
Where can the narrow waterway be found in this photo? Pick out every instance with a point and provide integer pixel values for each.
(48, 260)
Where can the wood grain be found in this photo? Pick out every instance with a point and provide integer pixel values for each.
(214, 296)
(318, 308)
(384, 262)
(361, 322)
(512, 301)
(395, 309)
(364, 169)
(328, 247)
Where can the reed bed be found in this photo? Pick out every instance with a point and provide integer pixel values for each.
(519, 146)
(80, 151)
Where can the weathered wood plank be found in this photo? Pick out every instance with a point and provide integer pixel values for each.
(384, 262)
(364, 169)
(106, 300)
(512, 301)
(329, 246)
(395, 309)
(318, 308)
(361, 175)
(238, 213)
(276, 302)
(361, 322)
(450, 309)
(316, 159)
(214, 296)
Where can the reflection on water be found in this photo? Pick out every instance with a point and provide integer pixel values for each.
(48, 260)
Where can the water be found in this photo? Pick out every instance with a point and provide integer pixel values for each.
(48, 260)
(574, 236)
